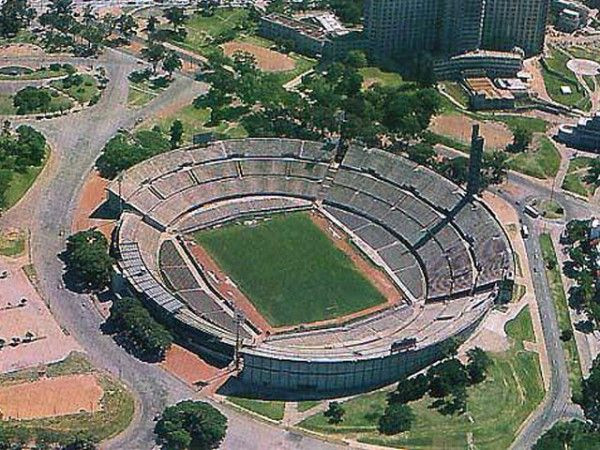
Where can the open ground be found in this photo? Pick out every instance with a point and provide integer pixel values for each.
(267, 59)
(51, 397)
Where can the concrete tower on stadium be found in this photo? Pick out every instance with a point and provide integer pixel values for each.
(451, 27)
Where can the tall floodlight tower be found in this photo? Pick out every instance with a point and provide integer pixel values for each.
(475, 160)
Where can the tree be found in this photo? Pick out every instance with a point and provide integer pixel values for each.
(171, 63)
(137, 331)
(478, 364)
(191, 425)
(88, 261)
(176, 16)
(397, 418)
(335, 413)
(590, 395)
(151, 24)
(456, 169)
(409, 389)
(356, 59)
(566, 335)
(176, 133)
(59, 15)
(494, 168)
(593, 174)
(447, 376)
(521, 140)
(31, 99)
(126, 25)
(560, 436)
(422, 153)
(15, 15)
(154, 53)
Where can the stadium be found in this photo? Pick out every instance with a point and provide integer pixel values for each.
(308, 274)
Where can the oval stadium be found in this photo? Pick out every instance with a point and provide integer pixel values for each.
(308, 273)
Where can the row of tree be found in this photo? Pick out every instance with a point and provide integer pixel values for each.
(583, 269)
(446, 382)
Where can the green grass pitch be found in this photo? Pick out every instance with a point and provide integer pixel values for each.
(290, 270)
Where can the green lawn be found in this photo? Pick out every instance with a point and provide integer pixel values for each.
(587, 52)
(201, 30)
(21, 182)
(194, 121)
(558, 62)
(83, 92)
(142, 93)
(39, 74)
(574, 180)
(290, 270)
(375, 75)
(542, 162)
(457, 92)
(307, 404)
(534, 124)
(562, 311)
(7, 108)
(271, 409)
(12, 244)
(495, 408)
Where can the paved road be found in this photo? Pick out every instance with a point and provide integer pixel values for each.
(77, 141)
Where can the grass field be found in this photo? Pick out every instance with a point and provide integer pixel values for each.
(39, 74)
(203, 30)
(7, 108)
(562, 310)
(272, 409)
(194, 121)
(574, 180)
(542, 162)
(21, 182)
(83, 93)
(142, 93)
(495, 408)
(558, 62)
(375, 75)
(290, 270)
(12, 244)
(457, 92)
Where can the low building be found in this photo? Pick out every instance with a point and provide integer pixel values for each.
(571, 15)
(583, 136)
(483, 94)
(515, 86)
(480, 63)
(319, 35)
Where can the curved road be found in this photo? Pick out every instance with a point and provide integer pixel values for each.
(48, 210)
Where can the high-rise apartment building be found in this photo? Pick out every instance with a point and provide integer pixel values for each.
(451, 27)
(515, 23)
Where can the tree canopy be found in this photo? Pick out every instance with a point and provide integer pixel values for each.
(191, 425)
(89, 265)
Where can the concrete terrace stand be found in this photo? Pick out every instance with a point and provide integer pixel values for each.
(445, 251)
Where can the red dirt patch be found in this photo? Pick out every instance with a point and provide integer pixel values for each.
(458, 126)
(92, 196)
(51, 397)
(267, 60)
(188, 366)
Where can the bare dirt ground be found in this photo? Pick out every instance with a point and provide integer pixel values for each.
(92, 196)
(12, 50)
(267, 60)
(50, 397)
(48, 342)
(188, 366)
(459, 127)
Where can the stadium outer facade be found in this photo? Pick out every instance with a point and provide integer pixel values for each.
(443, 248)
